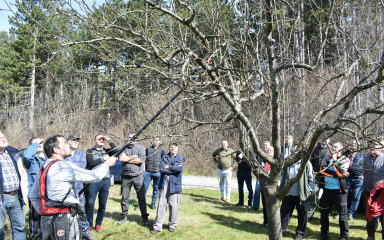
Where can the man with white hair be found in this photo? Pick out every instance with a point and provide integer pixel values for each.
(11, 202)
(224, 157)
(171, 166)
(373, 172)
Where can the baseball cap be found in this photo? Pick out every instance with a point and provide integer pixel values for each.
(72, 137)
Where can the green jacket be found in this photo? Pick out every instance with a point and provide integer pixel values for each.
(224, 158)
(304, 189)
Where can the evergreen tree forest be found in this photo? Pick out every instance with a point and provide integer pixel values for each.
(249, 71)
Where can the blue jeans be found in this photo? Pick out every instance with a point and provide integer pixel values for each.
(355, 188)
(245, 176)
(256, 197)
(101, 188)
(11, 206)
(148, 176)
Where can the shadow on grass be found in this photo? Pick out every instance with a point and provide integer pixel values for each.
(235, 223)
(202, 198)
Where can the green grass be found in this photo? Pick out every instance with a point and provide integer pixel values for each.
(203, 216)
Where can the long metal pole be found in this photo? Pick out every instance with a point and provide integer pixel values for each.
(121, 150)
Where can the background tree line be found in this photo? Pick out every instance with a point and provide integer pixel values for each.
(250, 71)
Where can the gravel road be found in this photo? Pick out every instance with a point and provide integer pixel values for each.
(209, 183)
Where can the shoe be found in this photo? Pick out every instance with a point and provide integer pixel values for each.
(239, 204)
(227, 200)
(98, 229)
(323, 237)
(350, 218)
(336, 216)
(171, 229)
(88, 237)
(146, 222)
(249, 206)
(299, 237)
(90, 228)
(255, 209)
(370, 238)
(154, 231)
(153, 206)
(123, 220)
(137, 207)
(265, 224)
(310, 219)
(223, 199)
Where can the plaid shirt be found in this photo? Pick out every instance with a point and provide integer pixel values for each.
(11, 180)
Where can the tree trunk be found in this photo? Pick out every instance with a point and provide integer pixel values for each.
(273, 217)
(31, 126)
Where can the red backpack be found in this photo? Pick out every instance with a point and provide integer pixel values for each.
(47, 206)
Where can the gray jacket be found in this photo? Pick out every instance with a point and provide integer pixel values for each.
(61, 178)
(373, 171)
(130, 169)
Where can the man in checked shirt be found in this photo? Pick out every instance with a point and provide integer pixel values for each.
(11, 202)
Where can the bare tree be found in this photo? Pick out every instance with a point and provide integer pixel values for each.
(243, 53)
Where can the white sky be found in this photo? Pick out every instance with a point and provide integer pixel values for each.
(5, 12)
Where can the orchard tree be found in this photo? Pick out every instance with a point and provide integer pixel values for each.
(270, 53)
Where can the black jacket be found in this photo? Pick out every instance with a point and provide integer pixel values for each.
(154, 155)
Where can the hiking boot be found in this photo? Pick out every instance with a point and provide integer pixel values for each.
(123, 220)
(299, 237)
(146, 222)
(98, 229)
(154, 231)
(323, 237)
(171, 229)
(88, 237)
(153, 206)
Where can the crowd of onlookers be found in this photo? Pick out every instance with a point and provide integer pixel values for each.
(335, 175)
(61, 183)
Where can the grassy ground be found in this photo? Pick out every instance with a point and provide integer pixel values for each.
(203, 216)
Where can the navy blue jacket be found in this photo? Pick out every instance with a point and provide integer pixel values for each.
(33, 163)
(12, 152)
(356, 169)
(174, 171)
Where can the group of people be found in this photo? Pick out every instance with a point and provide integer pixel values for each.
(61, 183)
(335, 174)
